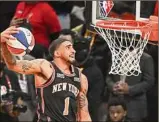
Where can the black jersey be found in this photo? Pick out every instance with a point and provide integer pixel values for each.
(58, 97)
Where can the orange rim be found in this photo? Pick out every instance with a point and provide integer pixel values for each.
(122, 24)
(154, 34)
(143, 26)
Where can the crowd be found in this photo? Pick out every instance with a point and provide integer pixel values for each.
(93, 94)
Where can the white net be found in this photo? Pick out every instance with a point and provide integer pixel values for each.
(126, 46)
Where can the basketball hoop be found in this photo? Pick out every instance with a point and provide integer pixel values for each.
(126, 40)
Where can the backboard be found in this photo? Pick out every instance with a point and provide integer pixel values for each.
(128, 10)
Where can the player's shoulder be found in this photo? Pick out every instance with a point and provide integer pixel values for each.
(83, 76)
(44, 61)
(41, 62)
(84, 83)
(77, 70)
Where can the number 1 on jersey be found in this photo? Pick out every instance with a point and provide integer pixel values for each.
(66, 107)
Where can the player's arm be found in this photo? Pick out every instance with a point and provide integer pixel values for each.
(20, 66)
(5, 36)
(83, 112)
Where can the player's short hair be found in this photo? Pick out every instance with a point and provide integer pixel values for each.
(115, 101)
(68, 32)
(55, 44)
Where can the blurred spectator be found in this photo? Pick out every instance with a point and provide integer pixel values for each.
(77, 13)
(152, 95)
(70, 13)
(43, 21)
(134, 88)
(8, 81)
(117, 110)
(63, 10)
(88, 14)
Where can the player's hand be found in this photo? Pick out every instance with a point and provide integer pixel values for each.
(6, 34)
(17, 21)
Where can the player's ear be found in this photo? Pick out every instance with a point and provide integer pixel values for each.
(125, 113)
(56, 53)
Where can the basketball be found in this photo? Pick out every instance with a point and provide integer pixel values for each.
(23, 44)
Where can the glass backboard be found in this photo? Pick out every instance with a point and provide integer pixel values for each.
(110, 9)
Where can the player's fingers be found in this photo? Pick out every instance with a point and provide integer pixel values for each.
(10, 32)
(10, 37)
(12, 29)
(7, 34)
(7, 37)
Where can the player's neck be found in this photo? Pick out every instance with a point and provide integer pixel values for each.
(63, 65)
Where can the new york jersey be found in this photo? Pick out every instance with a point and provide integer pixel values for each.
(58, 97)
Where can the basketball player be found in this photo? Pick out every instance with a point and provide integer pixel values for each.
(61, 87)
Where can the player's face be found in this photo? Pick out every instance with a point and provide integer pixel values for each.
(67, 52)
(116, 113)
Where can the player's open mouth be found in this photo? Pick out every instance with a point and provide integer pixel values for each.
(72, 56)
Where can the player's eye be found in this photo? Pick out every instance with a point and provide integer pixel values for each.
(68, 47)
